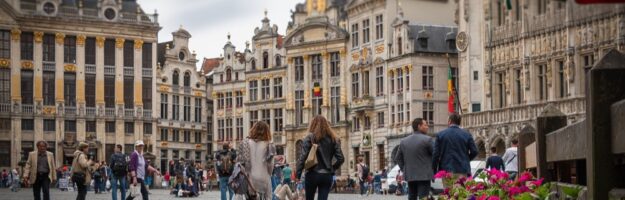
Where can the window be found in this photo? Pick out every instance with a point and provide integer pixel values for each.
(253, 90)
(335, 100)
(335, 64)
(187, 109)
(90, 51)
(49, 125)
(228, 75)
(198, 109)
(27, 87)
(408, 80)
(381, 156)
(365, 31)
(147, 128)
(129, 54)
(379, 27)
(400, 80)
(146, 55)
(187, 79)
(428, 112)
(5, 86)
(299, 106)
(423, 42)
(517, 86)
(355, 35)
(28, 125)
(239, 124)
(542, 82)
(476, 107)
(175, 107)
(229, 129)
(176, 135)
(400, 113)
(175, 78)
(277, 118)
(367, 121)
(129, 128)
(198, 138)
(265, 92)
(542, 6)
(278, 61)
(239, 99)
(392, 114)
(500, 15)
(5, 124)
(399, 46)
(277, 87)
(500, 89)
(253, 64)
(26, 46)
(299, 68)
(365, 83)
(70, 126)
(408, 112)
(266, 116)
(49, 48)
(187, 136)
(428, 78)
(129, 95)
(316, 105)
(355, 85)
(253, 117)
(109, 91)
(562, 80)
(90, 126)
(70, 89)
(316, 67)
(356, 123)
(164, 107)
(392, 82)
(220, 101)
(69, 50)
(379, 81)
(228, 98)
(5, 44)
(380, 119)
(109, 52)
(147, 93)
(220, 130)
(109, 126)
(48, 88)
(265, 60)
(164, 134)
(476, 75)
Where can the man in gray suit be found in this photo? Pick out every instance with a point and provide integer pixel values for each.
(414, 158)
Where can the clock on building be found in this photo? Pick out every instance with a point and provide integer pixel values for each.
(462, 41)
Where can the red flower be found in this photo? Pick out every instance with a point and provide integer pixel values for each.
(493, 198)
(442, 174)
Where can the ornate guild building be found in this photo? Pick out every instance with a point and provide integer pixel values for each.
(75, 71)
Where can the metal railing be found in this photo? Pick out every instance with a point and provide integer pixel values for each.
(109, 112)
(109, 70)
(146, 72)
(91, 111)
(70, 110)
(28, 109)
(49, 66)
(129, 71)
(147, 114)
(129, 112)
(90, 69)
(5, 107)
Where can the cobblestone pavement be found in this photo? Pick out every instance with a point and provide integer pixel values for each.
(157, 194)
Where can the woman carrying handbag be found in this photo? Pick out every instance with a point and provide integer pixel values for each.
(256, 155)
(319, 148)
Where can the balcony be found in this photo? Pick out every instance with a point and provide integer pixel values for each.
(146, 72)
(147, 114)
(129, 112)
(362, 104)
(90, 68)
(91, 111)
(5, 107)
(27, 109)
(129, 71)
(521, 113)
(48, 66)
(109, 112)
(109, 70)
(70, 111)
(175, 88)
(187, 90)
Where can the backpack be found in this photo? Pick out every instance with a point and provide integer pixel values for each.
(240, 183)
(365, 172)
(96, 174)
(226, 163)
(120, 166)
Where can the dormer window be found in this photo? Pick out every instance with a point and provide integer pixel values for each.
(399, 46)
(187, 79)
(49, 8)
(265, 60)
(110, 13)
(451, 43)
(228, 75)
(278, 61)
(423, 42)
(181, 56)
(253, 64)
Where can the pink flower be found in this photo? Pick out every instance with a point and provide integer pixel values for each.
(493, 198)
(526, 176)
(442, 174)
(461, 180)
(514, 191)
(538, 182)
(483, 197)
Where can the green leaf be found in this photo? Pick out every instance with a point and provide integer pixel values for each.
(572, 191)
(524, 196)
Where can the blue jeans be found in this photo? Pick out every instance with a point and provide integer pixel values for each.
(274, 183)
(123, 183)
(377, 187)
(96, 185)
(223, 188)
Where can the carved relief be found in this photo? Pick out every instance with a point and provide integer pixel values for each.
(100, 41)
(5, 63)
(38, 37)
(60, 38)
(570, 69)
(138, 44)
(27, 65)
(69, 68)
(15, 34)
(119, 42)
(80, 40)
(379, 49)
(355, 56)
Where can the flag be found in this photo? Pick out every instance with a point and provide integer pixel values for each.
(317, 90)
(508, 4)
(450, 92)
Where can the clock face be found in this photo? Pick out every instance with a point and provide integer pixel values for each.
(48, 8)
(462, 41)
(109, 14)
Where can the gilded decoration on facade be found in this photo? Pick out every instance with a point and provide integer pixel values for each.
(80, 40)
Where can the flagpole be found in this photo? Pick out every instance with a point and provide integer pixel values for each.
(455, 91)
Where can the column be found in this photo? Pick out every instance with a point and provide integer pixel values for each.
(38, 79)
(80, 74)
(343, 83)
(307, 89)
(138, 67)
(119, 90)
(325, 85)
(16, 96)
(59, 97)
(99, 93)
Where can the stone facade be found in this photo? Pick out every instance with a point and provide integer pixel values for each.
(182, 93)
(515, 62)
(76, 71)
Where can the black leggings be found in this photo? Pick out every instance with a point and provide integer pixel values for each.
(317, 183)
(82, 191)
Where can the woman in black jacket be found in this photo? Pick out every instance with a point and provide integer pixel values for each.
(319, 177)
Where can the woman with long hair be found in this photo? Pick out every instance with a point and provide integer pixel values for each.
(256, 154)
(319, 177)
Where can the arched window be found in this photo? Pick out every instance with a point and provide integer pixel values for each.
(278, 61)
(228, 74)
(399, 46)
(265, 60)
(175, 78)
(187, 79)
(253, 64)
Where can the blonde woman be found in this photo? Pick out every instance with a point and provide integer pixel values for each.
(82, 167)
(319, 178)
(256, 155)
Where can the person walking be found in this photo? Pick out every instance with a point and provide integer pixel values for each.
(97, 177)
(414, 157)
(494, 161)
(39, 170)
(15, 180)
(363, 174)
(139, 168)
(256, 154)
(225, 166)
(319, 177)
(454, 148)
(81, 170)
(512, 160)
(119, 168)
(286, 175)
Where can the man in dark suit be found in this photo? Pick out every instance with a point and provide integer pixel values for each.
(494, 161)
(454, 149)
(414, 157)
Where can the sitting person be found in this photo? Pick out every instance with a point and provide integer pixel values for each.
(178, 186)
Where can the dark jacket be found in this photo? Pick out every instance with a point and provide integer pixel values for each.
(454, 149)
(220, 168)
(114, 158)
(495, 162)
(414, 157)
(327, 150)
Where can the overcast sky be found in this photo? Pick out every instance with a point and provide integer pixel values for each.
(209, 21)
